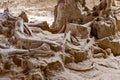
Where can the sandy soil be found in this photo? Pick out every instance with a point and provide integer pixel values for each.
(41, 11)
(105, 69)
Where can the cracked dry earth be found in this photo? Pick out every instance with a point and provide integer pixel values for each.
(29, 51)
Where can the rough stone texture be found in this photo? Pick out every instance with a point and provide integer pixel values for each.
(78, 58)
(118, 22)
(112, 44)
(54, 68)
(99, 52)
(24, 16)
(82, 31)
(66, 11)
(68, 58)
(29, 52)
(43, 25)
(17, 60)
(103, 28)
(36, 75)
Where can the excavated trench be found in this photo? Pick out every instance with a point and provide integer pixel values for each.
(78, 45)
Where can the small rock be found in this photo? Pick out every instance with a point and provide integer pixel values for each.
(112, 44)
(53, 68)
(80, 56)
(17, 60)
(103, 28)
(68, 58)
(23, 15)
(7, 65)
(82, 31)
(37, 75)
